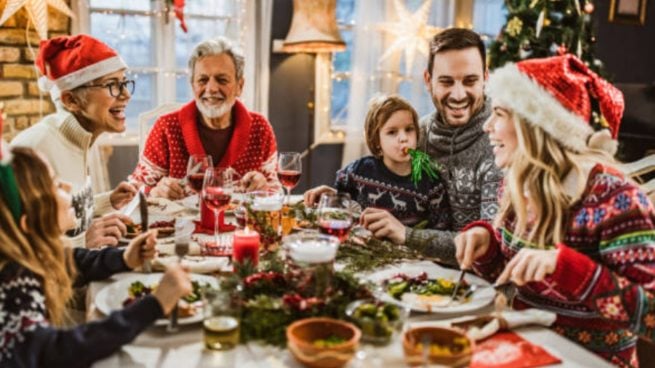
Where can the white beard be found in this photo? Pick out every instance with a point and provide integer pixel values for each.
(213, 112)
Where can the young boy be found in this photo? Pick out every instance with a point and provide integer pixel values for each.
(383, 180)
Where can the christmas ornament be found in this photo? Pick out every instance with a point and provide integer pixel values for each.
(588, 8)
(37, 11)
(178, 8)
(411, 32)
(514, 27)
(422, 163)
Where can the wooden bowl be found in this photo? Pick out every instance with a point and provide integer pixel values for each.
(448, 347)
(302, 336)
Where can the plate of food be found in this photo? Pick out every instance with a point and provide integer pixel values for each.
(427, 287)
(128, 290)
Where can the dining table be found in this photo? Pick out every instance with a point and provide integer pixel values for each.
(157, 348)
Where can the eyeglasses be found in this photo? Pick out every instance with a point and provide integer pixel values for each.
(115, 88)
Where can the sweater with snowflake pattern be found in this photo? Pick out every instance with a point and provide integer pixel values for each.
(471, 177)
(371, 184)
(28, 340)
(174, 137)
(603, 287)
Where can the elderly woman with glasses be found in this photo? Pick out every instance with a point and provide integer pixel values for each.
(86, 80)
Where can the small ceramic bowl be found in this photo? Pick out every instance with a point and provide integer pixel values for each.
(439, 345)
(323, 342)
(379, 321)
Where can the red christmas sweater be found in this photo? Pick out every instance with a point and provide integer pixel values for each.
(175, 136)
(603, 286)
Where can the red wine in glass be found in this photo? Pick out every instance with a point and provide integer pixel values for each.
(289, 178)
(215, 198)
(338, 228)
(195, 181)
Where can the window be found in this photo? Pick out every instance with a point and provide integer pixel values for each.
(155, 47)
(392, 77)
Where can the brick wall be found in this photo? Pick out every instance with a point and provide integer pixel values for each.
(23, 103)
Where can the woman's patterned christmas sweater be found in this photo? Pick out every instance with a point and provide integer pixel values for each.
(603, 286)
(28, 340)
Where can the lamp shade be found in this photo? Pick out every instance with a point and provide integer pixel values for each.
(313, 28)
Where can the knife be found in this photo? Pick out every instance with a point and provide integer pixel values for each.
(143, 209)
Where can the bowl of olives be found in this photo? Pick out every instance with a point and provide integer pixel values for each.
(378, 321)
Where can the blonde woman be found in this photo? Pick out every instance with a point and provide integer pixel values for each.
(37, 273)
(574, 235)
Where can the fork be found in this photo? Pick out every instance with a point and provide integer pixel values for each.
(462, 273)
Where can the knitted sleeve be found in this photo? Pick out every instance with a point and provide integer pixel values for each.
(343, 182)
(490, 179)
(29, 341)
(154, 161)
(440, 216)
(620, 285)
(93, 265)
(433, 243)
(269, 150)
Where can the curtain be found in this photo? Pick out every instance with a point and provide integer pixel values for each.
(371, 76)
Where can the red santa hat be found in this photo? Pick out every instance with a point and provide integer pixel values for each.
(555, 94)
(67, 62)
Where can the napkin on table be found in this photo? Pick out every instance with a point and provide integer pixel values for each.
(482, 327)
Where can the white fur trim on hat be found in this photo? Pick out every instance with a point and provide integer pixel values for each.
(89, 73)
(509, 87)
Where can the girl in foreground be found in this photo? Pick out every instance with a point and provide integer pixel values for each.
(574, 235)
(38, 271)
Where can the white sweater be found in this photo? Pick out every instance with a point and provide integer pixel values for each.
(66, 144)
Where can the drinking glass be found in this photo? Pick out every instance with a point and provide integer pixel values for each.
(334, 215)
(264, 212)
(195, 171)
(289, 168)
(310, 258)
(222, 317)
(216, 194)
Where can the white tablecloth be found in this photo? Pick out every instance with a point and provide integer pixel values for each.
(156, 348)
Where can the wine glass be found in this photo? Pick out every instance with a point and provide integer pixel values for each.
(334, 215)
(195, 171)
(216, 193)
(289, 168)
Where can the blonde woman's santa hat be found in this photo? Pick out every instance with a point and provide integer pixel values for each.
(555, 94)
(67, 62)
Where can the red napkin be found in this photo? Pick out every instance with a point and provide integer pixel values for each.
(509, 350)
(222, 226)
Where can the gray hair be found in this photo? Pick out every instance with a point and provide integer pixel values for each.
(217, 46)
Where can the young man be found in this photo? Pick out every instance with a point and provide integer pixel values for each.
(214, 124)
(453, 136)
(86, 80)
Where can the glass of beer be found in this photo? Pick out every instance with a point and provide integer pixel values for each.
(264, 215)
(222, 318)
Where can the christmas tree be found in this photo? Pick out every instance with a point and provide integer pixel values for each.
(542, 28)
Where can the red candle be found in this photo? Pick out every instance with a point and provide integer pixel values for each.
(246, 246)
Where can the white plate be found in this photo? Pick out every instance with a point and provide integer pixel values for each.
(478, 300)
(111, 297)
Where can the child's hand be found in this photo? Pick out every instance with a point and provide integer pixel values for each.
(529, 265)
(383, 225)
(312, 196)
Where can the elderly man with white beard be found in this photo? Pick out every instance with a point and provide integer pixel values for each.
(215, 123)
